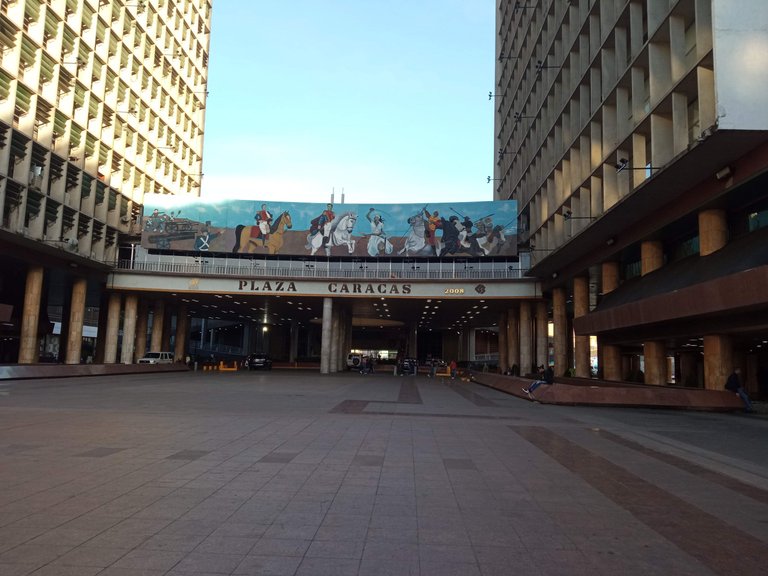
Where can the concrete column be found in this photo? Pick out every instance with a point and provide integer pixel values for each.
(413, 340)
(713, 231)
(293, 350)
(513, 336)
(718, 361)
(655, 363)
(76, 321)
(325, 339)
(610, 276)
(165, 344)
(142, 321)
(29, 347)
(610, 360)
(542, 334)
(335, 339)
(129, 328)
(158, 318)
(66, 321)
(113, 328)
(651, 256)
(560, 320)
(182, 327)
(503, 348)
(526, 338)
(98, 353)
(348, 336)
(581, 308)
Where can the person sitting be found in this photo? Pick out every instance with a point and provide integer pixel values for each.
(733, 384)
(546, 377)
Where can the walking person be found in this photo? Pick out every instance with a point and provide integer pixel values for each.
(545, 377)
(454, 369)
(734, 384)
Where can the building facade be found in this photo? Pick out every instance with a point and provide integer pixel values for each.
(101, 101)
(633, 135)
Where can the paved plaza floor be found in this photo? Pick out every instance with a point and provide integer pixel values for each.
(283, 473)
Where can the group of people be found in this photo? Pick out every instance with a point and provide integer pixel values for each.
(457, 235)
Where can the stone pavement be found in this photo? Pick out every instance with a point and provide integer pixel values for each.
(288, 473)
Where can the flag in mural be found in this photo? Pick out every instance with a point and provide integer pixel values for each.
(463, 229)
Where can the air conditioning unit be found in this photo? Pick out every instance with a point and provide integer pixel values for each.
(35, 181)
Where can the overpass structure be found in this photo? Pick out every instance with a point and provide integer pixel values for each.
(324, 308)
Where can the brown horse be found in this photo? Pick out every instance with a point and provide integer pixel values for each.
(245, 243)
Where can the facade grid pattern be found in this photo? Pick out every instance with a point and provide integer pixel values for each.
(592, 100)
(101, 101)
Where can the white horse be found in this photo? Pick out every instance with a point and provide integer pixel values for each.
(415, 242)
(338, 234)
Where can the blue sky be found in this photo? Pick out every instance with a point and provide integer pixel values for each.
(387, 99)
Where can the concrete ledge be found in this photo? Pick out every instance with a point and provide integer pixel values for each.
(27, 371)
(604, 393)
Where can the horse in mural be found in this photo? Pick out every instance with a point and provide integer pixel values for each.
(339, 233)
(248, 238)
(415, 239)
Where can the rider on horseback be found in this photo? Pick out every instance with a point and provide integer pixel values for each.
(263, 221)
(322, 223)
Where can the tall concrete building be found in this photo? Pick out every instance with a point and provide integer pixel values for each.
(101, 101)
(633, 134)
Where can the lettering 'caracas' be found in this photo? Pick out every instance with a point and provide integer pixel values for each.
(359, 288)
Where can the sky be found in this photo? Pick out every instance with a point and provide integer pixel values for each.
(385, 99)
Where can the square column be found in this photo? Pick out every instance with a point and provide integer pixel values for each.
(325, 338)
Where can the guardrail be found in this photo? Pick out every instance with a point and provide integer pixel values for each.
(375, 271)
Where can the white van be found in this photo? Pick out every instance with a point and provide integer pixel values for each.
(157, 358)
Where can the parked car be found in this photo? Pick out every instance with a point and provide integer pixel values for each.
(258, 360)
(157, 358)
(354, 361)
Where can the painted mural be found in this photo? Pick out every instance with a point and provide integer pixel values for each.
(445, 230)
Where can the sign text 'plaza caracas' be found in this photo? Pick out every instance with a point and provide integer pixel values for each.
(457, 229)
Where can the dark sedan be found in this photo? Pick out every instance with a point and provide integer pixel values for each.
(259, 361)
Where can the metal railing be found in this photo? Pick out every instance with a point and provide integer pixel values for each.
(379, 270)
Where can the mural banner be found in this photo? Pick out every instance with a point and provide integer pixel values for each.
(449, 229)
